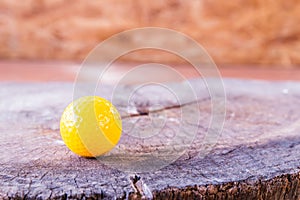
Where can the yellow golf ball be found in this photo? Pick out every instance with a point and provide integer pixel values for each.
(90, 126)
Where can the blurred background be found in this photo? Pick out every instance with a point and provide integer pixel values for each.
(253, 33)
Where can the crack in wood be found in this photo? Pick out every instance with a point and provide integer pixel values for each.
(162, 109)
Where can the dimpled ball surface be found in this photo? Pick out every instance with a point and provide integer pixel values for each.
(90, 126)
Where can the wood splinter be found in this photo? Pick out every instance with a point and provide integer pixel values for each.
(140, 188)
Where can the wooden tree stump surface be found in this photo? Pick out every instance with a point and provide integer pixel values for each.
(256, 157)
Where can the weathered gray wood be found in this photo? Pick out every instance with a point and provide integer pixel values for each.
(257, 156)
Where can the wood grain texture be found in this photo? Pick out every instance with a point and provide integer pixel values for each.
(256, 157)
